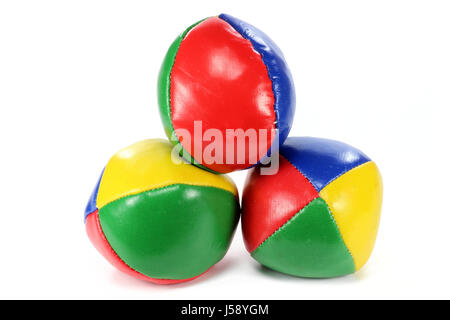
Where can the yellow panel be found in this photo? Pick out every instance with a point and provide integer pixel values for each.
(147, 165)
(355, 201)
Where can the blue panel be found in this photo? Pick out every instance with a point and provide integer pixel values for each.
(279, 74)
(92, 203)
(321, 160)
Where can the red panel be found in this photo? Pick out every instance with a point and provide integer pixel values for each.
(98, 239)
(220, 79)
(269, 201)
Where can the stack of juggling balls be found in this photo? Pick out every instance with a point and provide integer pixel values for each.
(164, 211)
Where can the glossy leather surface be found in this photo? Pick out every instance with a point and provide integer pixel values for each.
(308, 245)
(147, 165)
(158, 219)
(269, 201)
(98, 239)
(333, 232)
(355, 200)
(164, 80)
(175, 232)
(282, 82)
(92, 202)
(219, 79)
(321, 160)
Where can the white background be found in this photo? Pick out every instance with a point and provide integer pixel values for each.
(78, 82)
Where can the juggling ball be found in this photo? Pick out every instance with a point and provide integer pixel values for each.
(225, 94)
(318, 216)
(159, 220)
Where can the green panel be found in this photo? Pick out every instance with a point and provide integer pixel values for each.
(164, 92)
(176, 232)
(309, 245)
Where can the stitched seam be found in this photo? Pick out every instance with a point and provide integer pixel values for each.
(192, 159)
(165, 187)
(102, 234)
(275, 100)
(170, 95)
(341, 174)
(293, 216)
(296, 215)
(306, 177)
(288, 221)
(96, 209)
(338, 176)
(339, 231)
(96, 190)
